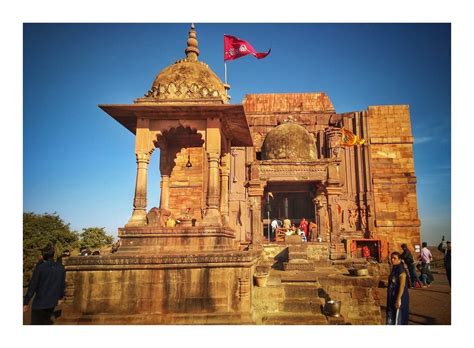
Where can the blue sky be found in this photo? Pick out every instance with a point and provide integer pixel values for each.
(80, 162)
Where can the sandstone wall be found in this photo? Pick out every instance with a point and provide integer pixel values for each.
(186, 184)
(360, 304)
(266, 111)
(393, 175)
(272, 253)
(155, 295)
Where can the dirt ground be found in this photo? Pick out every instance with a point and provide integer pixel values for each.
(428, 306)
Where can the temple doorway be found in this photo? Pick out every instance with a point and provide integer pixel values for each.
(288, 200)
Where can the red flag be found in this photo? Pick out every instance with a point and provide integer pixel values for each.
(235, 48)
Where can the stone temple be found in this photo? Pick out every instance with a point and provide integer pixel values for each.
(227, 170)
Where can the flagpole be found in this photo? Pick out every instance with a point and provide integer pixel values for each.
(225, 72)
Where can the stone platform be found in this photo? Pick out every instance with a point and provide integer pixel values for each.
(180, 239)
(197, 288)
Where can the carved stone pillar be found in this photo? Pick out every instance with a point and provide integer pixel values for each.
(165, 177)
(212, 211)
(224, 198)
(321, 219)
(255, 192)
(139, 203)
(334, 217)
(334, 136)
(370, 223)
(256, 221)
(165, 191)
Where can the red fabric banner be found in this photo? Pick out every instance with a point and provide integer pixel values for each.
(235, 48)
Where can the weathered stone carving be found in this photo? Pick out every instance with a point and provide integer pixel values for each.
(126, 260)
(302, 171)
(334, 136)
(353, 217)
(289, 141)
(157, 217)
(183, 91)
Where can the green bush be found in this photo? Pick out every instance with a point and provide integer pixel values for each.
(95, 238)
(40, 231)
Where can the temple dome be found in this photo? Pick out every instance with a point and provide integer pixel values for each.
(187, 80)
(289, 141)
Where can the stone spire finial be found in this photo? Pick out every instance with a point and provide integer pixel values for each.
(192, 51)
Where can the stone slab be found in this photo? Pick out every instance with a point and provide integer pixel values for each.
(298, 276)
(295, 319)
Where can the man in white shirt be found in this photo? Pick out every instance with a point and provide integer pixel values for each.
(426, 257)
(274, 225)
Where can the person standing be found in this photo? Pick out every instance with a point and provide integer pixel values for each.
(447, 261)
(274, 225)
(426, 257)
(442, 245)
(397, 292)
(313, 231)
(408, 259)
(48, 283)
(304, 227)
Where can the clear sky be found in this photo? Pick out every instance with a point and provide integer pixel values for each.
(80, 163)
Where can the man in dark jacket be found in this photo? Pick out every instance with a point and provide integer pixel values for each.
(447, 261)
(407, 257)
(48, 283)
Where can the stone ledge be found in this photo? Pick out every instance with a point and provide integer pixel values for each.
(295, 319)
(145, 261)
(156, 231)
(160, 319)
(397, 223)
(345, 280)
(392, 140)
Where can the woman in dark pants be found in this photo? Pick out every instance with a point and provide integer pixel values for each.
(397, 292)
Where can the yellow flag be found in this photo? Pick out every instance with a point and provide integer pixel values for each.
(350, 139)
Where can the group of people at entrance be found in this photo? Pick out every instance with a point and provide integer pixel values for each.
(404, 275)
(306, 229)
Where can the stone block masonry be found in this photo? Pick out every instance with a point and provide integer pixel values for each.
(393, 175)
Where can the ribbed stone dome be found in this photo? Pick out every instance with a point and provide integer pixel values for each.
(187, 80)
(289, 141)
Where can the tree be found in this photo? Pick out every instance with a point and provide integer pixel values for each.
(95, 237)
(40, 231)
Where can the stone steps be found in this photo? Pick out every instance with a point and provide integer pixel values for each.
(295, 319)
(298, 266)
(322, 263)
(297, 255)
(299, 291)
(301, 306)
(297, 248)
(298, 276)
(338, 251)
